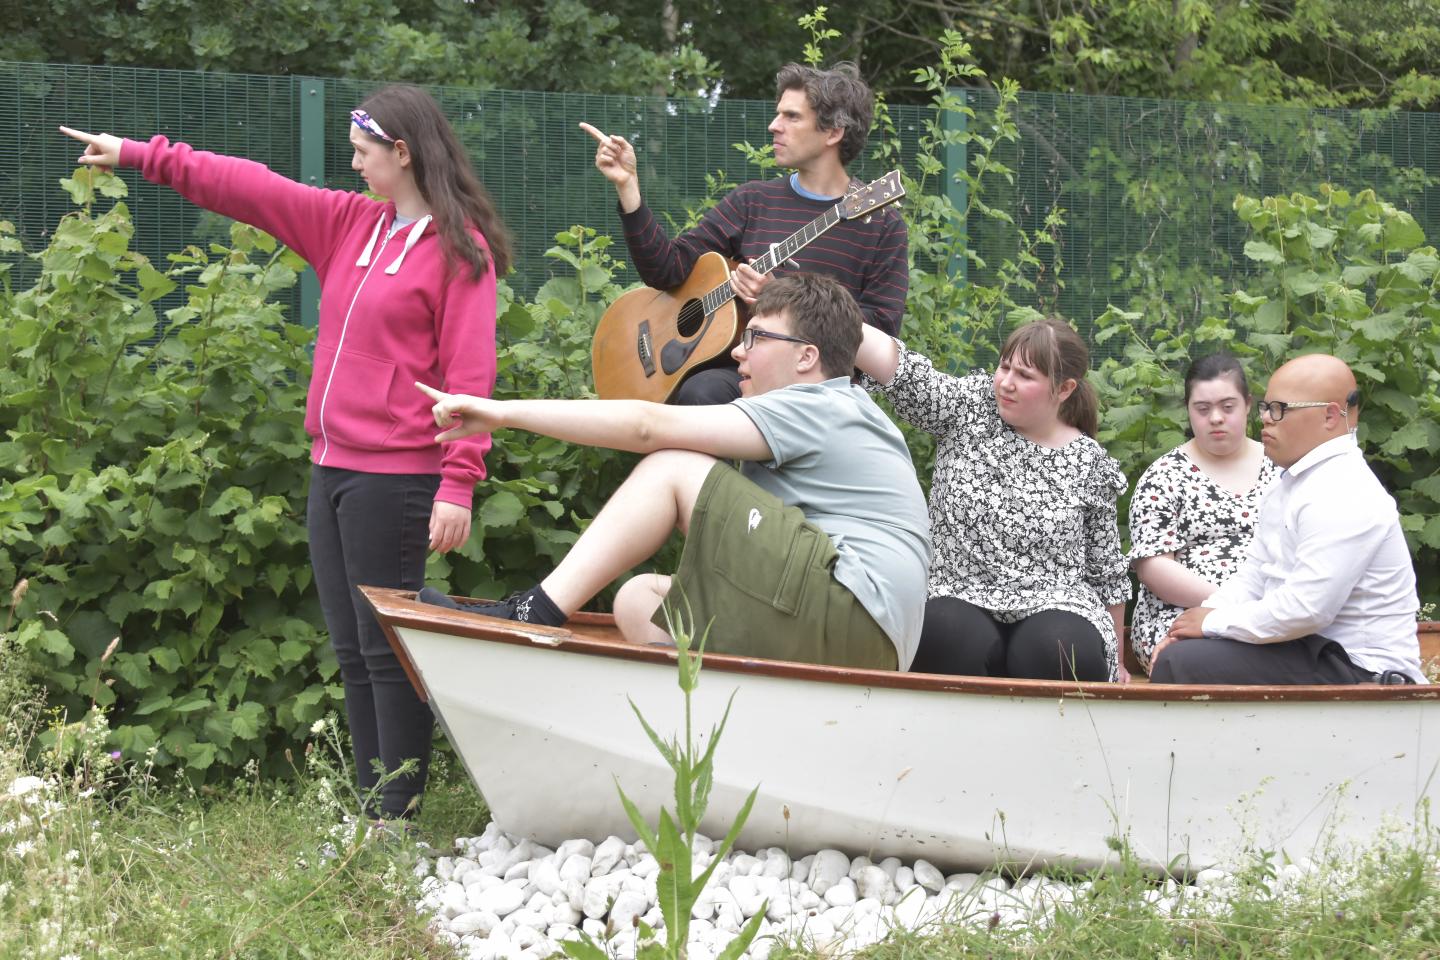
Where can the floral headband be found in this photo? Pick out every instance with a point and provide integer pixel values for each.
(367, 123)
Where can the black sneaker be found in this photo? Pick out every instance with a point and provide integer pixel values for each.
(435, 598)
(518, 607)
(527, 606)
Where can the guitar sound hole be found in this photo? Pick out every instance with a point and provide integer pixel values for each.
(692, 315)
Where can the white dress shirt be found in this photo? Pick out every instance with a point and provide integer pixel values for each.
(1329, 558)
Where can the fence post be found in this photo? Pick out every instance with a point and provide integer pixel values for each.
(311, 91)
(957, 159)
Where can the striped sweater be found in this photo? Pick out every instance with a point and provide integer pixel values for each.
(868, 259)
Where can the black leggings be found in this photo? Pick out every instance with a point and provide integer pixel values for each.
(373, 528)
(961, 638)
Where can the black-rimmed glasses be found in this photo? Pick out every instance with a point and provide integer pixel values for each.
(1275, 409)
(747, 339)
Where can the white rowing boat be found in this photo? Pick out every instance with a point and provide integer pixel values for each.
(965, 772)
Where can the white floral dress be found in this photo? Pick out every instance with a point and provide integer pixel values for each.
(1179, 508)
(1017, 527)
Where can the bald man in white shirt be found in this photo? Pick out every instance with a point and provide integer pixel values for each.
(1327, 590)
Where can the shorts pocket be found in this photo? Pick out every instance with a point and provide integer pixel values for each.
(766, 551)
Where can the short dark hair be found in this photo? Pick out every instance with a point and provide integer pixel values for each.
(1213, 366)
(840, 99)
(1054, 348)
(820, 311)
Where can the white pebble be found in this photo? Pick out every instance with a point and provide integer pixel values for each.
(746, 891)
(627, 906)
(904, 879)
(531, 919)
(572, 848)
(828, 868)
(777, 865)
(842, 894)
(479, 922)
(502, 900)
(607, 855)
(928, 877)
(742, 863)
(874, 883)
(598, 894)
(545, 876)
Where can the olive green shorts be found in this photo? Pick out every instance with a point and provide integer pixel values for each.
(761, 578)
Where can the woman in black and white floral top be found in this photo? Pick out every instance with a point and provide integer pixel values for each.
(1194, 510)
(1027, 578)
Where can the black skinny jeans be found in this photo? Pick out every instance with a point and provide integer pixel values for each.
(963, 639)
(373, 529)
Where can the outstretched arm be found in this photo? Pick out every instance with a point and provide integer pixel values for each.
(723, 431)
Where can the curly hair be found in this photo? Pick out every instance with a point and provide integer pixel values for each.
(840, 99)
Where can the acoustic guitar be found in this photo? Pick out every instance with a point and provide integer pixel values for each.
(649, 340)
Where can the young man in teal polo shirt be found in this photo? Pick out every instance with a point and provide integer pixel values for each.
(815, 549)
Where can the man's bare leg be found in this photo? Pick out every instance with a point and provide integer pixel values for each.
(636, 603)
(656, 498)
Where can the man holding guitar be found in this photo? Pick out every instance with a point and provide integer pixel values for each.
(822, 120)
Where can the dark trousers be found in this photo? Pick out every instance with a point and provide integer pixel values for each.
(1309, 659)
(961, 638)
(373, 529)
(713, 385)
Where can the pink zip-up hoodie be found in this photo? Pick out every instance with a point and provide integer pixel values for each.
(391, 313)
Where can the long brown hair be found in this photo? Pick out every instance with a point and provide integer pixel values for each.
(1056, 350)
(456, 198)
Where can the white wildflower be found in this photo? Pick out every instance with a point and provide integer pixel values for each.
(22, 786)
(72, 855)
(22, 848)
(318, 726)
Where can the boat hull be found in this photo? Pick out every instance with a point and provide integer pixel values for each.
(964, 772)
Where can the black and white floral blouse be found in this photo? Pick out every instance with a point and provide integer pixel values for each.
(1017, 527)
(1178, 508)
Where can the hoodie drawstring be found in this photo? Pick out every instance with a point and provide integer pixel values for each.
(411, 238)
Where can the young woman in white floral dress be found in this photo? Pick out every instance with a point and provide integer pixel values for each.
(1027, 578)
(1195, 508)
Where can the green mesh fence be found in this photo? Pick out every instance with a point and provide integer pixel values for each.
(1146, 186)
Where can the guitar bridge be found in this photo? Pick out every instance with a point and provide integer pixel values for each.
(644, 349)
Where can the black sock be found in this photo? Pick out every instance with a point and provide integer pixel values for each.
(538, 608)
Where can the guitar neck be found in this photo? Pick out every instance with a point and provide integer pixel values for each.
(776, 255)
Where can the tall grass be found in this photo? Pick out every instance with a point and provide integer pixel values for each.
(99, 858)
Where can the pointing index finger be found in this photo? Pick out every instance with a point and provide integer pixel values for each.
(431, 392)
(594, 132)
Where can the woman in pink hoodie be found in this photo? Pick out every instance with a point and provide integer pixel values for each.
(407, 294)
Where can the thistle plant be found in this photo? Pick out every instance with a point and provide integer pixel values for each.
(672, 842)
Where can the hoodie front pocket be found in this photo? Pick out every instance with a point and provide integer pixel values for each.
(355, 407)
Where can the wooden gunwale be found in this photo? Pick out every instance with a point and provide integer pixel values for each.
(594, 634)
